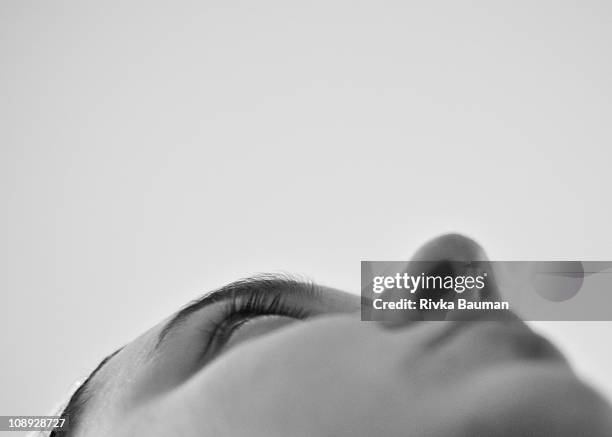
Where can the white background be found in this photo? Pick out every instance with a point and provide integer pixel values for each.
(150, 152)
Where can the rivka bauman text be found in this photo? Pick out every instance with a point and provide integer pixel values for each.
(433, 304)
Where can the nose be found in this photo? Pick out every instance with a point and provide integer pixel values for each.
(446, 255)
(450, 248)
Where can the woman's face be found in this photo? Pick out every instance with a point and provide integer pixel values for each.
(275, 358)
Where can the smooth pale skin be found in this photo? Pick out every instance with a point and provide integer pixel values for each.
(336, 376)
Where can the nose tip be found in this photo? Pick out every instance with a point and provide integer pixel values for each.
(446, 255)
(450, 248)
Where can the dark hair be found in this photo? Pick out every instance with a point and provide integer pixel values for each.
(74, 409)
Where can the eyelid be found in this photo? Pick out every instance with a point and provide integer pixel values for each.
(239, 310)
(315, 299)
(256, 327)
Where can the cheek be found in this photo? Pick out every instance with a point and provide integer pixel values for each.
(342, 378)
(303, 381)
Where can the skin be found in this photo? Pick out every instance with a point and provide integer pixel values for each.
(333, 375)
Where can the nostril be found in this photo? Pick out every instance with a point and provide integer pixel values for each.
(440, 269)
(443, 268)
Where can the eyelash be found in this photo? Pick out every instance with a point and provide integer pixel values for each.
(241, 309)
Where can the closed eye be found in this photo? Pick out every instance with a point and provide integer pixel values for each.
(215, 317)
(240, 311)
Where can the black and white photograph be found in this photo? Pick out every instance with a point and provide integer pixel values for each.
(305, 219)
